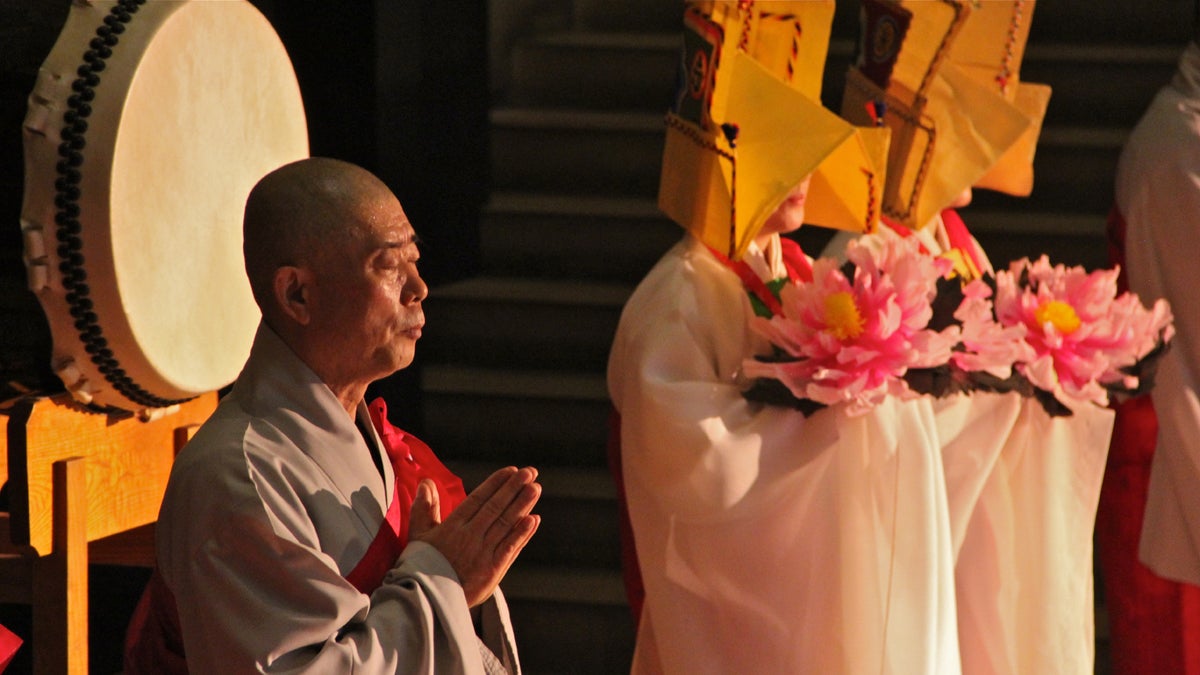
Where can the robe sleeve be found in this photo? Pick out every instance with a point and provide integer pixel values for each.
(256, 593)
(685, 427)
(757, 522)
(1158, 193)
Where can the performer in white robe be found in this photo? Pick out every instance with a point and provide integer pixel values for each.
(1157, 205)
(1160, 264)
(971, 429)
(768, 542)
(287, 540)
(1022, 486)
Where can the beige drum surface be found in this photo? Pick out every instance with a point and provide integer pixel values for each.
(148, 126)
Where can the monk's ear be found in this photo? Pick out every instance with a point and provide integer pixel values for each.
(293, 293)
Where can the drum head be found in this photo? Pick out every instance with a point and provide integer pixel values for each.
(149, 124)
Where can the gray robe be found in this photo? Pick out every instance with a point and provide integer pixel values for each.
(269, 507)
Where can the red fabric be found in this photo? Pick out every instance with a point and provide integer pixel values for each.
(797, 264)
(635, 591)
(902, 230)
(1114, 232)
(1154, 623)
(956, 232)
(959, 237)
(412, 462)
(153, 643)
(794, 261)
(368, 574)
(9, 644)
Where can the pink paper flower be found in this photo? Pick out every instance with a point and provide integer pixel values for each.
(1146, 329)
(853, 339)
(1081, 333)
(987, 345)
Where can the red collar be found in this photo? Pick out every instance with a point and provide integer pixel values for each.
(956, 233)
(799, 269)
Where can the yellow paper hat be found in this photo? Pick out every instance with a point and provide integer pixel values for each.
(747, 126)
(944, 76)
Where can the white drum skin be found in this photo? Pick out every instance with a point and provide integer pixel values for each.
(149, 124)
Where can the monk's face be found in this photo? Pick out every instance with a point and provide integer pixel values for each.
(370, 292)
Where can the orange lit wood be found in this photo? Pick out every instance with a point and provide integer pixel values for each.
(60, 579)
(83, 487)
(127, 464)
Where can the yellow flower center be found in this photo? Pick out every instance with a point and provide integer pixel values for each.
(1059, 313)
(841, 316)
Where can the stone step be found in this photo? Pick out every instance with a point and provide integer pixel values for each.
(667, 15)
(541, 324)
(1066, 238)
(597, 238)
(596, 70)
(1131, 74)
(1107, 21)
(569, 236)
(580, 152)
(594, 153)
(546, 323)
(619, 239)
(618, 70)
(1074, 170)
(579, 528)
(568, 621)
(640, 15)
(515, 416)
(637, 71)
(1071, 21)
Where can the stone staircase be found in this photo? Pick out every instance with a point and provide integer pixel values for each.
(512, 365)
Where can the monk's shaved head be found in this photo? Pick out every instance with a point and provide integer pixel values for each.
(301, 213)
(332, 261)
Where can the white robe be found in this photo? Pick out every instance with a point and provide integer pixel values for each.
(267, 509)
(1023, 489)
(770, 542)
(1024, 571)
(1158, 193)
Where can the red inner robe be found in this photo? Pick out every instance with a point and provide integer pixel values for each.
(1154, 624)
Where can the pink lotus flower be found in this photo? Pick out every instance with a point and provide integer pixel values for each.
(987, 345)
(853, 340)
(1080, 332)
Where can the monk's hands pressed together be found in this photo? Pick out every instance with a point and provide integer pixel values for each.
(483, 536)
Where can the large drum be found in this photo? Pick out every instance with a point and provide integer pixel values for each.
(149, 123)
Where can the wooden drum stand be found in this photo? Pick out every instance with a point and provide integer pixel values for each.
(84, 487)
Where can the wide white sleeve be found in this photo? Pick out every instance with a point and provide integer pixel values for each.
(1158, 193)
(768, 541)
(685, 427)
(972, 430)
(1024, 582)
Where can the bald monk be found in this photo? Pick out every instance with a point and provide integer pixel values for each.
(300, 532)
